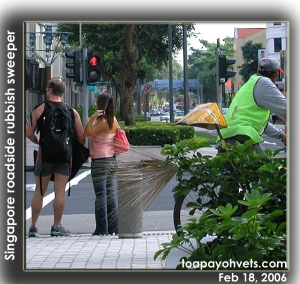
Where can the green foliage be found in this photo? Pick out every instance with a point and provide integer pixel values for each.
(177, 72)
(107, 40)
(246, 213)
(147, 132)
(156, 133)
(199, 140)
(250, 59)
(202, 65)
(140, 117)
(127, 51)
(91, 110)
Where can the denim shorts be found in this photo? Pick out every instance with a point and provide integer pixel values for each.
(47, 169)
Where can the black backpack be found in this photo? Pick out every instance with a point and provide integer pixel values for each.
(57, 133)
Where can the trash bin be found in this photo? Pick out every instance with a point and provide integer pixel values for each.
(131, 206)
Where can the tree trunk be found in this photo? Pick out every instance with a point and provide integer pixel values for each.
(121, 92)
(130, 57)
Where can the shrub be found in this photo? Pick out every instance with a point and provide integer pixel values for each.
(156, 133)
(91, 110)
(246, 215)
(147, 132)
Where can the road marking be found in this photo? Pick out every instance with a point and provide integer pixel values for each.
(48, 198)
(30, 187)
(271, 143)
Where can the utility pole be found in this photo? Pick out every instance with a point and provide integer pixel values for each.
(85, 113)
(170, 73)
(218, 84)
(186, 76)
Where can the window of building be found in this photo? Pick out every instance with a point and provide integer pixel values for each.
(277, 44)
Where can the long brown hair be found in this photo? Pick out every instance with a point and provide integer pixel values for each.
(105, 102)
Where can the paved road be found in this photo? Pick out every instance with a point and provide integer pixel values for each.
(80, 204)
(79, 216)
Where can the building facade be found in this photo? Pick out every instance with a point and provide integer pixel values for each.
(44, 59)
(277, 47)
(241, 36)
(274, 39)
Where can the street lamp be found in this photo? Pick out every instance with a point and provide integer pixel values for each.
(51, 54)
(32, 39)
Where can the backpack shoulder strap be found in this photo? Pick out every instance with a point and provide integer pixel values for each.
(33, 110)
(52, 105)
(70, 109)
(48, 106)
(72, 113)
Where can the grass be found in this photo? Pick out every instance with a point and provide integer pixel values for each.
(200, 139)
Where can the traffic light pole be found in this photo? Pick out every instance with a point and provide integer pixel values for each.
(170, 74)
(218, 84)
(186, 76)
(85, 108)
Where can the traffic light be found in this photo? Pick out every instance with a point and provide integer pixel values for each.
(93, 66)
(224, 74)
(75, 65)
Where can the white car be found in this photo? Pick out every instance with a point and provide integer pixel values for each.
(165, 116)
(179, 114)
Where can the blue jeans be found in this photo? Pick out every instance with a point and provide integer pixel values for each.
(105, 183)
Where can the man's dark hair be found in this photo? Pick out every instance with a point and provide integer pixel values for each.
(266, 73)
(57, 86)
(267, 66)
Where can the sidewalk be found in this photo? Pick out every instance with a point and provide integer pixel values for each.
(84, 251)
(93, 252)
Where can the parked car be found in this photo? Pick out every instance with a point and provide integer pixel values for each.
(153, 112)
(147, 115)
(165, 116)
(179, 114)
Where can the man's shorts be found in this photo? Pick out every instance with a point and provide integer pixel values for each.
(47, 169)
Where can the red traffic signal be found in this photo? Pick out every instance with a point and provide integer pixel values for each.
(94, 61)
(94, 69)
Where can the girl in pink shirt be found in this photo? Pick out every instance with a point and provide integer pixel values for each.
(101, 131)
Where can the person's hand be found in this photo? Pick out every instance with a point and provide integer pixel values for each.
(98, 113)
(283, 138)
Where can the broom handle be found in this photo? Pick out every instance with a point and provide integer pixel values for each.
(221, 137)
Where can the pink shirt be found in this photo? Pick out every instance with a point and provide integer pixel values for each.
(102, 145)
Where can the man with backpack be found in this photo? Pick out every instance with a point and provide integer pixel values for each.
(58, 125)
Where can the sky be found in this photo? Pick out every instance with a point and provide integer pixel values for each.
(212, 31)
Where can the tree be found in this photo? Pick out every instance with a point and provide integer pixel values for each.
(250, 59)
(202, 65)
(163, 74)
(177, 72)
(122, 47)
